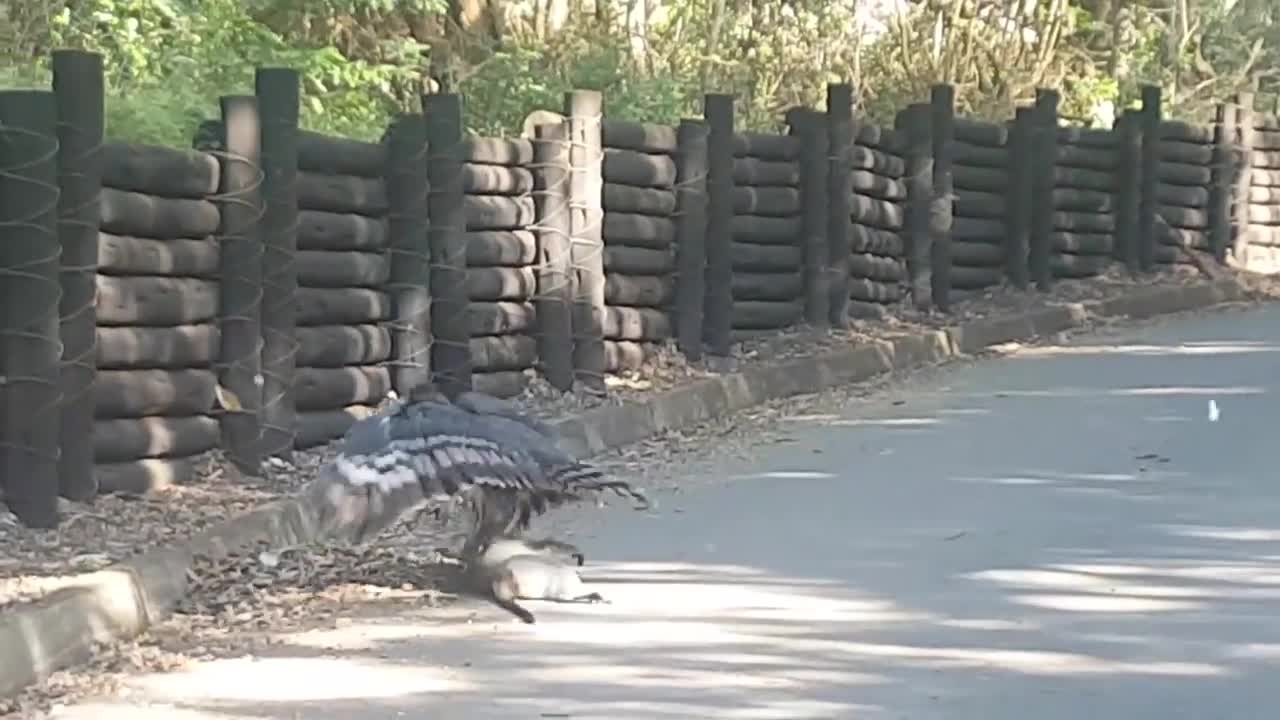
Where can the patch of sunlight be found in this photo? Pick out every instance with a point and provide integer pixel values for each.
(727, 677)
(754, 708)
(1188, 390)
(888, 422)
(988, 624)
(1100, 477)
(668, 605)
(1026, 662)
(1012, 480)
(1083, 392)
(297, 679)
(1255, 651)
(1105, 603)
(642, 633)
(759, 660)
(964, 411)
(1255, 573)
(1135, 349)
(1038, 578)
(364, 635)
(756, 602)
(127, 711)
(1223, 533)
(1107, 585)
(786, 475)
(652, 570)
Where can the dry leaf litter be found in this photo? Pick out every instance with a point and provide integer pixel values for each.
(239, 601)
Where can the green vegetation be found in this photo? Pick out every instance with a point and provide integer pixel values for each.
(364, 60)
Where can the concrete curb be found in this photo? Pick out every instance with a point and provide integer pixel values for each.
(120, 602)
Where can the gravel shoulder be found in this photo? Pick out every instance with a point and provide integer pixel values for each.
(240, 601)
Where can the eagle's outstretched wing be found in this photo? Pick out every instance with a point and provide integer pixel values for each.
(478, 450)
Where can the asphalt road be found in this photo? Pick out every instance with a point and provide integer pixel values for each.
(1064, 533)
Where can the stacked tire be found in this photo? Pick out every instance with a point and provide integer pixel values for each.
(1264, 187)
(342, 269)
(157, 310)
(639, 201)
(1084, 193)
(877, 265)
(1182, 190)
(980, 174)
(501, 256)
(767, 254)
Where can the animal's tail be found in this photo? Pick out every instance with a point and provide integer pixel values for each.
(504, 596)
(582, 478)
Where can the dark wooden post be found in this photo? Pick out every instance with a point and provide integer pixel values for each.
(451, 342)
(691, 231)
(1243, 189)
(1150, 167)
(240, 296)
(585, 110)
(942, 123)
(839, 190)
(555, 254)
(409, 239)
(913, 124)
(1128, 188)
(30, 348)
(1225, 174)
(1021, 162)
(78, 84)
(718, 314)
(278, 92)
(1045, 155)
(810, 127)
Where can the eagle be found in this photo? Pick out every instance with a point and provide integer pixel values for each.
(435, 454)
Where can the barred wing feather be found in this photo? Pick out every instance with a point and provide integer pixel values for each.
(438, 453)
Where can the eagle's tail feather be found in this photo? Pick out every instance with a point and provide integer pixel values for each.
(581, 478)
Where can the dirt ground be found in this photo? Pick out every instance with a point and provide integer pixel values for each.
(236, 600)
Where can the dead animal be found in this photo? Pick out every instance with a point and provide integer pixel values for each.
(512, 569)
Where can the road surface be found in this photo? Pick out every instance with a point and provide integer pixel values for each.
(1062, 534)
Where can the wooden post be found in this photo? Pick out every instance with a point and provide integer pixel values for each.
(840, 132)
(1020, 196)
(913, 122)
(942, 123)
(451, 346)
(240, 296)
(809, 126)
(408, 235)
(78, 84)
(718, 314)
(1128, 188)
(1225, 176)
(30, 348)
(691, 231)
(1150, 167)
(1240, 206)
(584, 110)
(554, 302)
(1045, 154)
(278, 92)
